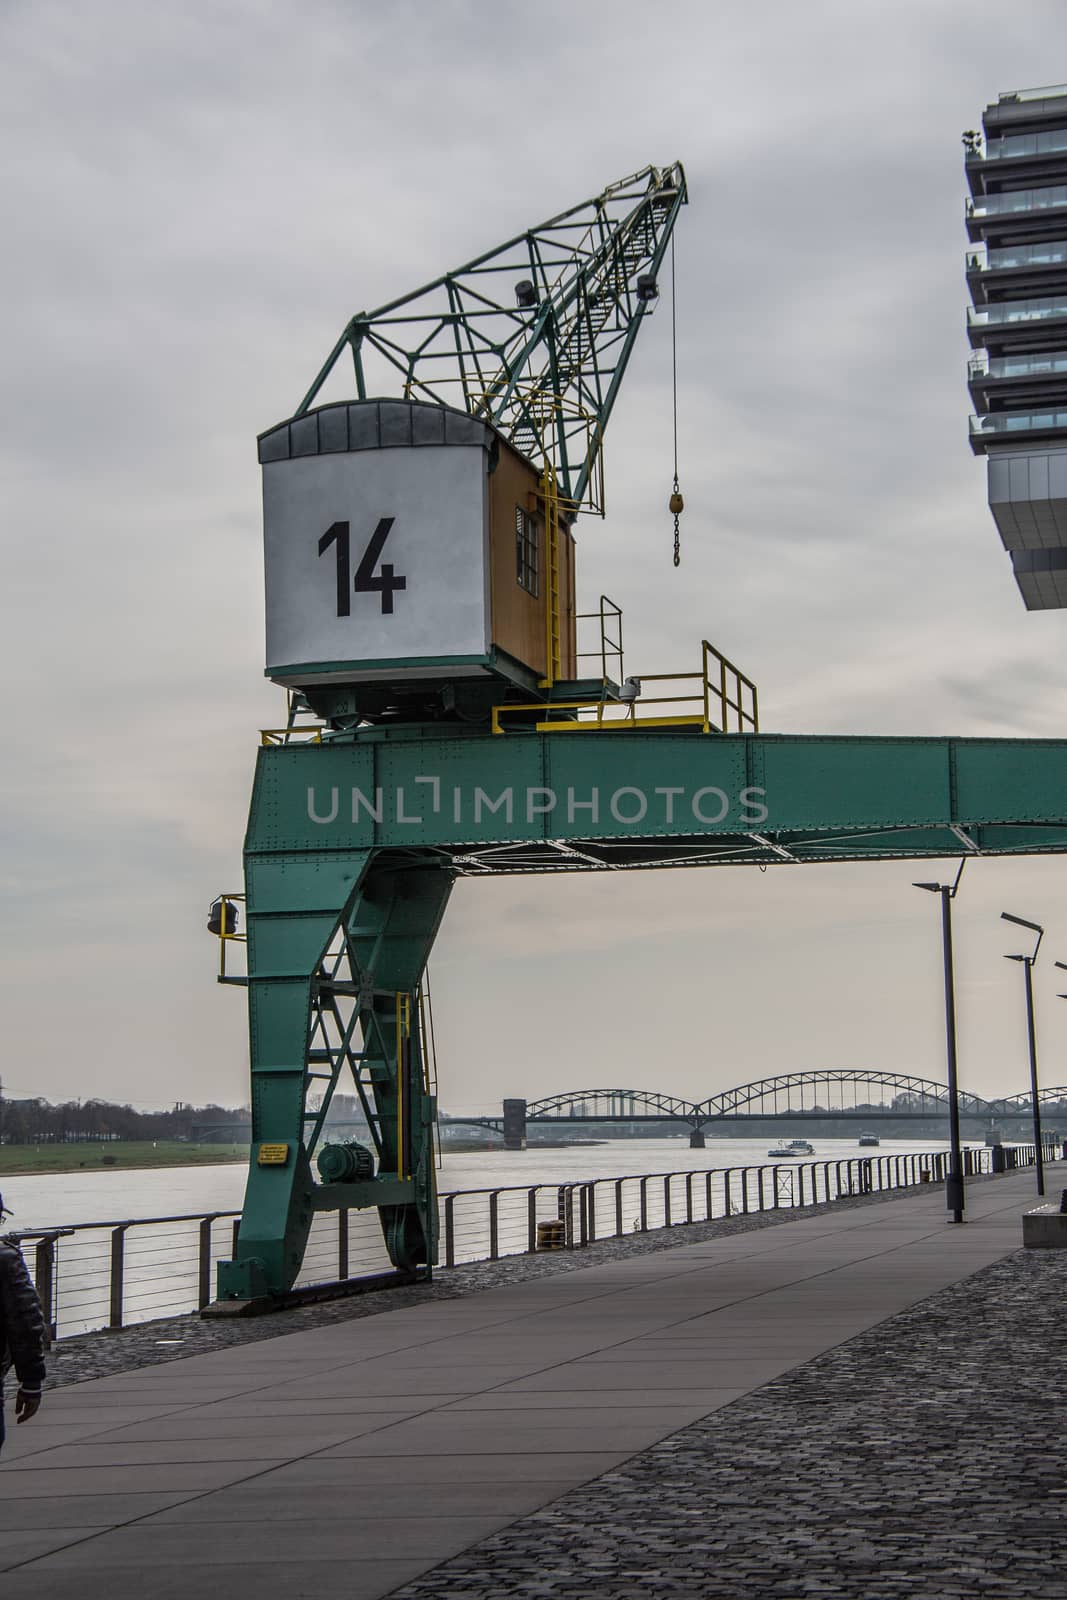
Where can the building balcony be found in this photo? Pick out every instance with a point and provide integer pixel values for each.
(1017, 155)
(1009, 321)
(1018, 378)
(1049, 253)
(1019, 270)
(1034, 364)
(1016, 209)
(1013, 145)
(1016, 427)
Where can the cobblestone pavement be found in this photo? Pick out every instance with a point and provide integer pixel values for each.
(102, 1354)
(920, 1461)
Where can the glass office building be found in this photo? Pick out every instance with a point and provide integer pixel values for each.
(1017, 322)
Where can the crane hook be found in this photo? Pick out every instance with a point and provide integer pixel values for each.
(676, 505)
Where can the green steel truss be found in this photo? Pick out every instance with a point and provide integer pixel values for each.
(547, 371)
(353, 845)
(337, 947)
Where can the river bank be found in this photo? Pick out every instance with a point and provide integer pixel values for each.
(22, 1160)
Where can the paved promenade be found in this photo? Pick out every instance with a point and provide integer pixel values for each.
(461, 1447)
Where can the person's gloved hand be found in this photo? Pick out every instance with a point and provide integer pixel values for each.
(27, 1404)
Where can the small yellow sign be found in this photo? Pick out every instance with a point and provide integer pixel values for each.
(273, 1155)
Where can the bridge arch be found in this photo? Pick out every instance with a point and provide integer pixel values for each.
(605, 1105)
(833, 1090)
(1015, 1103)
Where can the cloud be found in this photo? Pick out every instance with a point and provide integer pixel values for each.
(198, 197)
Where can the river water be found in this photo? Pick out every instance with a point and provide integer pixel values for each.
(56, 1199)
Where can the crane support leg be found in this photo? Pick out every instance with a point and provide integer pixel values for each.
(337, 945)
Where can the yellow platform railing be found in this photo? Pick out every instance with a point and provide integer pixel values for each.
(290, 735)
(719, 690)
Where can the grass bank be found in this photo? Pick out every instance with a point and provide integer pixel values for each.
(20, 1159)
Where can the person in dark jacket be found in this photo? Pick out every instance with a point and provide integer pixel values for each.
(23, 1334)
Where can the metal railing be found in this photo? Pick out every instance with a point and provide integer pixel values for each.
(609, 651)
(112, 1274)
(718, 687)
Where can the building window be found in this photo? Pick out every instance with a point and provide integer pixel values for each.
(527, 552)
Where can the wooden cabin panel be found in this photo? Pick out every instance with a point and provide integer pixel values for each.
(518, 618)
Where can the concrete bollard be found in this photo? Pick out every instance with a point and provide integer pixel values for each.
(1045, 1228)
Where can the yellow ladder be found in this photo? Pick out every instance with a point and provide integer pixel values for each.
(428, 1051)
(553, 648)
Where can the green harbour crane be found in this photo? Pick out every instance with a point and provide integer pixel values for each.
(444, 719)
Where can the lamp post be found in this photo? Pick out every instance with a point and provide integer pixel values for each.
(954, 1193)
(1028, 968)
(1063, 966)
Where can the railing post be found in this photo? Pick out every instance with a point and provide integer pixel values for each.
(592, 1212)
(689, 1196)
(118, 1256)
(618, 1207)
(44, 1277)
(203, 1297)
(727, 1179)
(565, 1212)
(760, 1197)
(450, 1230)
(531, 1221)
(667, 1200)
(342, 1242)
(744, 1191)
(644, 1205)
(494, 1209)
(234, 1235)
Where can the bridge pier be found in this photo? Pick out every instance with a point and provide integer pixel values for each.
(514, 1128)
(697, 1140)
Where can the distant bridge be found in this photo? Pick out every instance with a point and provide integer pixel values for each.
(839, 1096)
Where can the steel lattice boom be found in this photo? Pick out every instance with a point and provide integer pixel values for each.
(534, 335)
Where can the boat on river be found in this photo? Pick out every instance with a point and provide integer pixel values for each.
(790, 1149)
(869, 1138)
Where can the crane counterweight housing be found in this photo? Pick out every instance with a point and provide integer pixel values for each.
(404, 549)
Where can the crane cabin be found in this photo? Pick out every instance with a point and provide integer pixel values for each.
(416, 563)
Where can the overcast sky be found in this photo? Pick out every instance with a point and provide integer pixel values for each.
(197, 196)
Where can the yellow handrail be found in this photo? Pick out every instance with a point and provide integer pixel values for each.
(723, 687)
(270, 736)
(403, 1034)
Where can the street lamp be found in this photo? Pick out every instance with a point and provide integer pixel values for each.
(1028, 968)
(1063, 967)
(954, 1196)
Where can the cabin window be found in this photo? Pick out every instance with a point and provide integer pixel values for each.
(527, 552)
